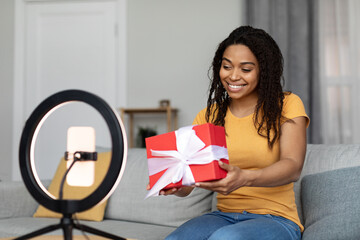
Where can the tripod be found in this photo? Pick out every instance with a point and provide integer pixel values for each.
(67, 224)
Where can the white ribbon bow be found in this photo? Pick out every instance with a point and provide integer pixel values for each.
(190, 150)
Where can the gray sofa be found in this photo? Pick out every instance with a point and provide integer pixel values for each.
(327, 195)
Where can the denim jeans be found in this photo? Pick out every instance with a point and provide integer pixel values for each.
(230, 226)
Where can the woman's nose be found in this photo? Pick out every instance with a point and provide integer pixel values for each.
(235, 75)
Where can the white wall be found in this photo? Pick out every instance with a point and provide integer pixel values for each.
(6, 85)
(170, 47)
(171, 44)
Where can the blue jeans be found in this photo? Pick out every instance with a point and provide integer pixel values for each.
(230, 226)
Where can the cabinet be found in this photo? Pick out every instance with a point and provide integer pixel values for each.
(169, 112)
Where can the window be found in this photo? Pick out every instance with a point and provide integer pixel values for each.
(340, 70)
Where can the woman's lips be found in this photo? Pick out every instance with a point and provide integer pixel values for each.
(236, 87)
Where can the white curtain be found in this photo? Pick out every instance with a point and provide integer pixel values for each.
(339, 46)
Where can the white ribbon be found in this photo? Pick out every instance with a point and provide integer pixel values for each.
(190, 150)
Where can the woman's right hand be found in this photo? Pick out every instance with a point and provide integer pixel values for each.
(180, 192)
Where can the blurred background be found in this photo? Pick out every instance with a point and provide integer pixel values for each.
(135, 53)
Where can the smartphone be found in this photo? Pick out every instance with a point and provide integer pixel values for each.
(83, 172)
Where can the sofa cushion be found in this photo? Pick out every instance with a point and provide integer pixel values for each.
(13, 195)
(323, 157)
(331, 205)
(128, 202)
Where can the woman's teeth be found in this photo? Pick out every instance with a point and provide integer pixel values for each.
(236, 86)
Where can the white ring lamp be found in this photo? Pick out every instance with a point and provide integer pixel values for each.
(106, 187)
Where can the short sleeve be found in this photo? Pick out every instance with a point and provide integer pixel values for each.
(294, 107)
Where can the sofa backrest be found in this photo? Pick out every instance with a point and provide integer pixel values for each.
(128, 202)
(321, 158)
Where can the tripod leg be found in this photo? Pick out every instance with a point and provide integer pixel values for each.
(39, 232)
(97, 232)
(67, 232)
(67, 225)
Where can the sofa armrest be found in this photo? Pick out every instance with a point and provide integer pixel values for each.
(15, 200)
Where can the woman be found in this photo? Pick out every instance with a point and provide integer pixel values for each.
(266, 140)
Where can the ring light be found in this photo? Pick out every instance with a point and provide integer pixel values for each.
(27, 163)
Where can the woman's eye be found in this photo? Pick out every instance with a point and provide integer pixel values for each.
(226, 67)
(246, 70)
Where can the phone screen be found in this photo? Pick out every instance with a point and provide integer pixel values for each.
(83, 172)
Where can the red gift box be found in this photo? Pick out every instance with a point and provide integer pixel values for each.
(209, 134)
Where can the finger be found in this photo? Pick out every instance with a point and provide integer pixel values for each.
(168, 191)
(203, 186)
(213, 189)
(220, 188)
(209, 185)
(224, 166)
(148, 187)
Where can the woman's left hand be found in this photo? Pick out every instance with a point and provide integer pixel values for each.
(235, 179)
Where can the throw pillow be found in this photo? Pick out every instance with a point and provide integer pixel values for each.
(96, 213)
(331, 206)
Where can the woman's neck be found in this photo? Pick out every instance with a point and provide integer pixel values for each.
(243, 107)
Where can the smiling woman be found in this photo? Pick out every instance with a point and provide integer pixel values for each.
(266, 139)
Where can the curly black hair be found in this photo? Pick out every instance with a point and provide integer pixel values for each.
(268, 110)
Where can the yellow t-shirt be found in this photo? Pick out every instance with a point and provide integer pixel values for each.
(248, 150)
